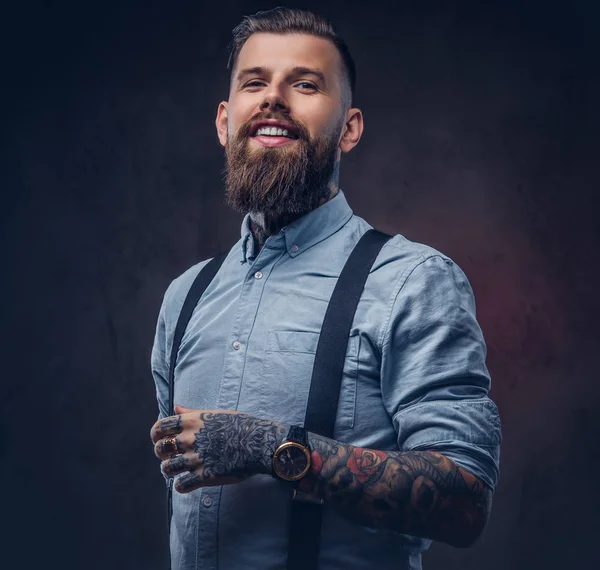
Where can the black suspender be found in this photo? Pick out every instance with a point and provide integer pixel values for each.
(305, 524)
(198, 287)
(321, 411)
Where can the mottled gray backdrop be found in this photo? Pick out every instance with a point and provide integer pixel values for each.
(481, 140)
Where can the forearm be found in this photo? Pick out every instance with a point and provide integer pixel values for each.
(421, 493)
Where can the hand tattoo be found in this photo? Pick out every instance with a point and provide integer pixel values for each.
(236, 445)
(177, 463)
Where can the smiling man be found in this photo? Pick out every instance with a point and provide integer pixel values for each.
(281, 163)
(415, 451)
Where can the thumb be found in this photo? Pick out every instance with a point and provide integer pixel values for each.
(181, 410)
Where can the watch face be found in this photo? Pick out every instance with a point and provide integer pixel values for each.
(291, 461)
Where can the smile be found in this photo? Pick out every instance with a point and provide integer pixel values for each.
(271, 133)
(272, 140)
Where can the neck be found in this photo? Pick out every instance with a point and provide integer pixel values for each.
(264, 225)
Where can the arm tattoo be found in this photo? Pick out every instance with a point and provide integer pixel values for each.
(236, 445)
(422, 493)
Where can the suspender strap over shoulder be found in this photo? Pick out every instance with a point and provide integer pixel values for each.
(333, 339)
(306, 518)
(201, 282)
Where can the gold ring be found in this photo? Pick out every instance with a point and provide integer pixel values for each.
(170, 445)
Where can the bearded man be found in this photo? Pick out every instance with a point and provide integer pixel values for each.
(415, 450)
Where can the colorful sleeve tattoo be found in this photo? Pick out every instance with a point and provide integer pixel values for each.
(421, 493)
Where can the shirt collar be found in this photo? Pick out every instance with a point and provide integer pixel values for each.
(304, 232)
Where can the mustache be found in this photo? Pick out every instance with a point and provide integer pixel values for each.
(245, 128)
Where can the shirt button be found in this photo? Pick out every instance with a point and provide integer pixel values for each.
(258, 275)
(207, 501)
(294, 248)
(237, 345)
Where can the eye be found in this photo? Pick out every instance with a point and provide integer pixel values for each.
(308, 85)
(254, 83)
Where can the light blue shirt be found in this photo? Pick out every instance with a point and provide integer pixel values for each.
(414, 378)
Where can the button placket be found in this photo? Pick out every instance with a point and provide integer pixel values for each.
(247, 308)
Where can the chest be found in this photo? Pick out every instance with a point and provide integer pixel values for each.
(251, 345)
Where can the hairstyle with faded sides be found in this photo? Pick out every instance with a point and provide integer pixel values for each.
(283, 21)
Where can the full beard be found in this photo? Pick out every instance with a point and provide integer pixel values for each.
(279, 182)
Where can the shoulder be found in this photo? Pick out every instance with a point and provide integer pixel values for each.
(178, 289)
(410, 274)
(400, 250)
(402, 259)
(416, 261)
(399, 253)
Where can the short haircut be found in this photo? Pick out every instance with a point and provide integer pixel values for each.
(283, 21)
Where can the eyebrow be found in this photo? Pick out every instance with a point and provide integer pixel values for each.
(298, 70)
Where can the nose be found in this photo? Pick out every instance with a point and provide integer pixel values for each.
(274, 100)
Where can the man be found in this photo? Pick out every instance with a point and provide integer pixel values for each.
(416, 447)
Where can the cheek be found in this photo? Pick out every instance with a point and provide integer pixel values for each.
(241, 112)
(324, 123)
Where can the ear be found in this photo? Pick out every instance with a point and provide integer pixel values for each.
(353, 129)
(221, 122)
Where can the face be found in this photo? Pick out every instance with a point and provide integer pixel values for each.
(284, 126)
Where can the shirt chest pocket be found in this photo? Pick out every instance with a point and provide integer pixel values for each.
(288, 366)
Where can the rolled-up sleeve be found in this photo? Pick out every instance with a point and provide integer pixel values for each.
(434, 378)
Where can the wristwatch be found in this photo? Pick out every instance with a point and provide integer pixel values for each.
(291, 460)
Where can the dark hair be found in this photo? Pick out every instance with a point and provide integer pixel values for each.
(283, 20)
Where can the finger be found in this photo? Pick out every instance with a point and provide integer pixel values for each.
(181, 410)
(180, 463)
(165, 427)
(198, 478)
(190, 482)
(164, 450)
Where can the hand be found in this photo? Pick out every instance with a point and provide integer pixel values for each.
(217, 447)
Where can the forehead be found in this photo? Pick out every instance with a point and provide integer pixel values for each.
(281, 52)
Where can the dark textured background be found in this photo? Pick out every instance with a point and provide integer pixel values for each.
(481, 139)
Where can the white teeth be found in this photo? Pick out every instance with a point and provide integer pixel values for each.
(273, 132)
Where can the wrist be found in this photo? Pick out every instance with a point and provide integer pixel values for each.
(275, 437)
